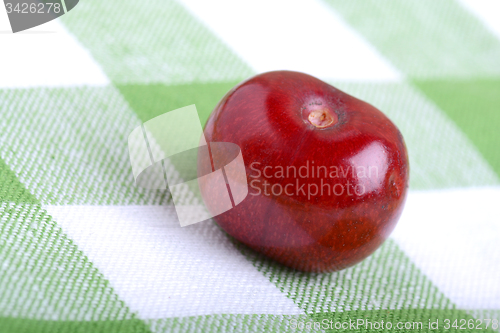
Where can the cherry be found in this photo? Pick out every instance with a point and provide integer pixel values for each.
(327, 173)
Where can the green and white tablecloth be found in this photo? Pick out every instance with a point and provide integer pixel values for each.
(84, 250)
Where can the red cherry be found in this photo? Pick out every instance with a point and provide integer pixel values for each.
(327, 172)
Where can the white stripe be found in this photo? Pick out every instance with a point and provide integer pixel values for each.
(47, 55)
(453, 237)
(305, 36)
(162, 270)
(487, 10)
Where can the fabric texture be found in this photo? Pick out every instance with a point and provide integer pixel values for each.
(82, 249)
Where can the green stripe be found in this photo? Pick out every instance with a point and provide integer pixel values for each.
(157, 41)
(23, 325)
(149, 101)
(69, 145)
(425, 39)
(257, 323)
(11, 189)
(474, 105)
(262, 323)
(225, 323)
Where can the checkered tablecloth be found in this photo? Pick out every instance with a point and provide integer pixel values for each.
(84, 250)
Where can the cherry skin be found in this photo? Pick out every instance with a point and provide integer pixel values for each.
(350, 200)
